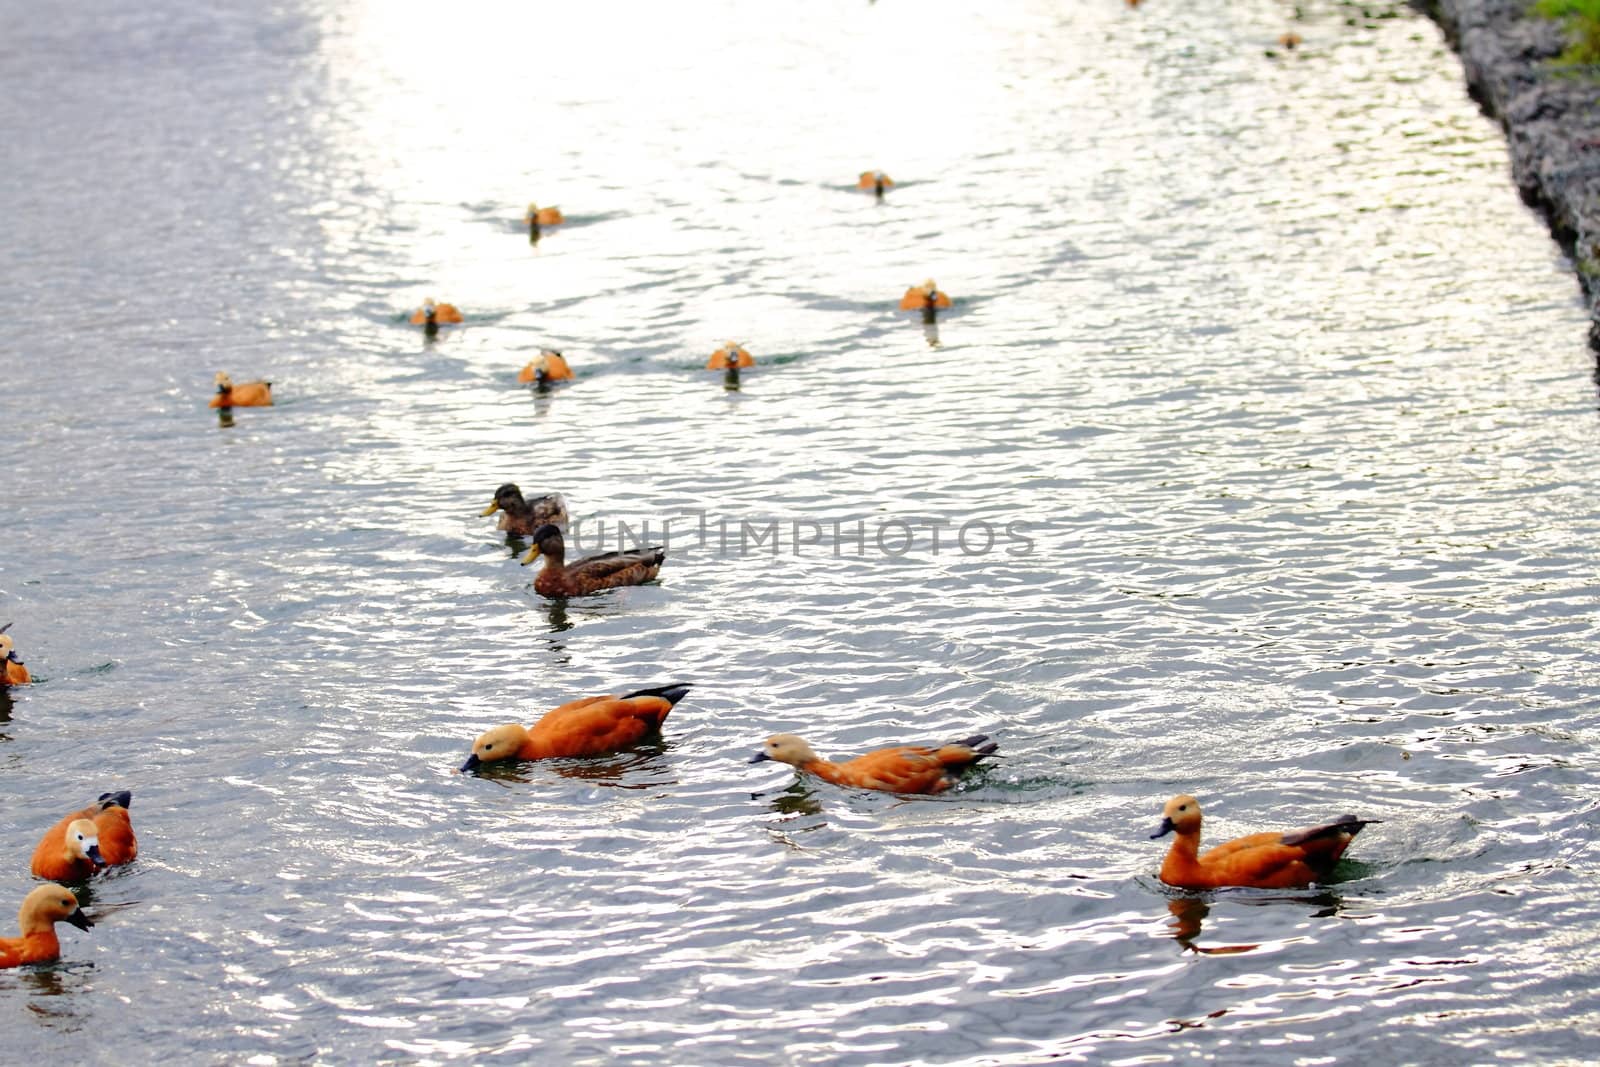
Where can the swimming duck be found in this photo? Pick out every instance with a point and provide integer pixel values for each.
(431, 316)
(591, 573)
(730, 356)
(12, 672)
(522, 517)
(876, 180)
(537, 216)
(1291, 40)
(1264, 861)
(926, 296)
(900, 769)
(100, 835)
(243, 395)
(591, 726)
(40, 911)
(549, 367)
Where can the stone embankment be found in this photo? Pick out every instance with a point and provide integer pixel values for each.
(1551, 115)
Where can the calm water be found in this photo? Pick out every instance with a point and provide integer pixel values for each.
(1283, 387)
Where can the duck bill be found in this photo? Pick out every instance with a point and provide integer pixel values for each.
(533, 554)
(491, 509)
(12, 657)
(759, 757)
(93, 852)
(1164, 829)
(79, 919)
(472, 764)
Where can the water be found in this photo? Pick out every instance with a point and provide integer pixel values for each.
(1285, 388)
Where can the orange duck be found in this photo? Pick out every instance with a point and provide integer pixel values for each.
(592, 726)
(591, 573)
(431, 316)
(1262, 861)
(927, 297)
(730, 357)
(100, 835)
(41, 910)
(522, 517)
(901, 769)
(12, 672)
(876, 180)
(243, 395)
(551, 366)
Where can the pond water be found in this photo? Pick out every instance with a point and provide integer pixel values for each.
(1270, 393)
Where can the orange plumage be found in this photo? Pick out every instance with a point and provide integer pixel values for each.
(12, 671)
(591, 726)
(243, 395)
(550, 366)
(875, 180)
(1262, 861)
(901, 769)
(590, 574)
(40, 911)
(731, 356)
(100, 835)
(926, 295)
(543, 216)
(445, 314)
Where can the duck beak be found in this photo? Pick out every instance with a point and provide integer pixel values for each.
(491, 509)
(759, 757)
(472, 763)
(1164, 829)
(12, 657)
(533, 554)
(79, 919)
(93, 852)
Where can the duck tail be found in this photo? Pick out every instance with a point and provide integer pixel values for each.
(670, 693)
(1344, 824)
(980, 744)
(123, 799)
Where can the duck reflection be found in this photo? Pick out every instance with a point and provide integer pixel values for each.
(5, 709)
(1189, 913)
(793, 799)
(621, 770)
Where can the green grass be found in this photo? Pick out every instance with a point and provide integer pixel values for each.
(1583, 27)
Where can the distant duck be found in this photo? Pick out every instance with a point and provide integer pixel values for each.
(12, 672)
(591, 726)
(876, 180)
(431, 316)
(901, 769)
(41, 910)
(591, 574)
(1262, 861)
(523, 517)
(243, 395)
(927, 297)
(86, 841)
(550, 366)
(1291, 40)
(731, 357)
(537, 217)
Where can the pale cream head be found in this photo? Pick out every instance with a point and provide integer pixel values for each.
(83, 841)
(46, 906)
(503, 742)
(787, 748)
(1183, 811)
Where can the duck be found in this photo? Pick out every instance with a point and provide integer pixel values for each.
(41, 909)
(537, 216)
(522, 517)
(550, 366)
(876, 180)
(1261, 861)
(591, 573)
(926, 297)
(730, 357)
(592, 726)
(86, 841)
(243, 395)
(898, 769)
(12, 672)
(431, 316)
(1291, 40)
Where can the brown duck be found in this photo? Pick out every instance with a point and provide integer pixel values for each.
(523, 517)
(591, 573)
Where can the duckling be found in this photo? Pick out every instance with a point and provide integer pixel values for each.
(900, 769)
(40, 911)
(876, 180)
(1263, 861)
(591, 573)
(591, 726)
(86, 841)
(927, 297)
(431, 316)
(731, 356)
(12, 672)
(549, 367)
(523, 517)
(243, 395)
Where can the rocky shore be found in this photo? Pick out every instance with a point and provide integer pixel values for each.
(1551, 115)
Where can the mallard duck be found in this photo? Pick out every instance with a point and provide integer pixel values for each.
(243, 395)
(876, 180)
(591, 726)
(100, 835)
(731, 356)
(41, 909)
(550, 366)
(592, 573)
(12, 672)
(523, 517)
(926, 297)
(900, 769)
(1264, 861)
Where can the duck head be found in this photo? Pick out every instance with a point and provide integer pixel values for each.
(47, 905)
(547, 541)
(8, 647)
(506, 497)
(785, 748)
(1181, 814)
(224, 383)
(83, 842)
(501, 743)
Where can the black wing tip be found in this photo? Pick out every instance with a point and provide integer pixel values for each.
(121, 799)
(670, 693)
(980, 744)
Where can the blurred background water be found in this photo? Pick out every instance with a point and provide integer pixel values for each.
(1280, 389)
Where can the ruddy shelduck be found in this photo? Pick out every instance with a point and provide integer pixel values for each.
(431, 316)
(543, 216)
(731, 356)
(86, 841)
(522, 517)
(1262, 861)
(549, 366)
(592, 726)
(876, 180)
(40, 911)
(927, 297)
(608, 570)
(12, 671)
(242, 395)
(901, 769)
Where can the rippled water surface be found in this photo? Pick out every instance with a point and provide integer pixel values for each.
(1271, 391)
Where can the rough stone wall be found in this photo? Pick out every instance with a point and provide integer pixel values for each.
(1551, 116)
